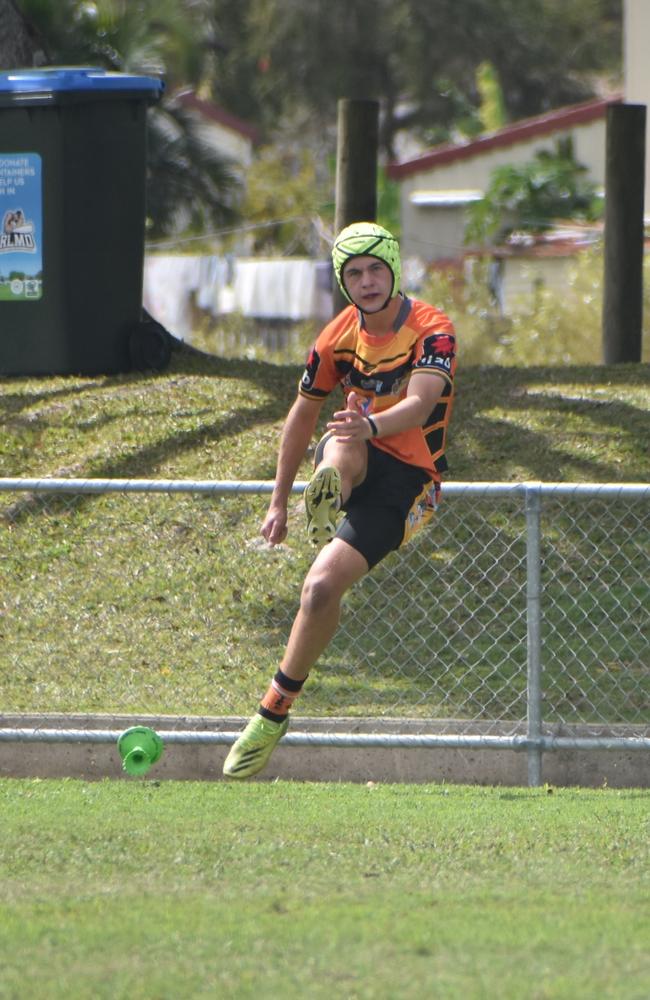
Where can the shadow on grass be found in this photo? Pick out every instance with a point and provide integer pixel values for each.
(148, 459)
(485, 447)
(582, 437)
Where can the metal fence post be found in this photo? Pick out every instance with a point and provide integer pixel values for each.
(533, 618)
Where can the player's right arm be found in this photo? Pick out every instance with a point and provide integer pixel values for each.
(297, 432)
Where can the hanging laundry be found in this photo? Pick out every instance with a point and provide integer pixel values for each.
(168, 286)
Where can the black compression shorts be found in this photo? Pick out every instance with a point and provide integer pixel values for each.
(377, 509)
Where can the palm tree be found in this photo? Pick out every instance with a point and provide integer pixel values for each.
(190, 187)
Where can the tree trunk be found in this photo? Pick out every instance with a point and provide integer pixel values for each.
(20, 44)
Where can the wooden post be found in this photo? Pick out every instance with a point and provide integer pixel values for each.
(356, 168)
(623, 281)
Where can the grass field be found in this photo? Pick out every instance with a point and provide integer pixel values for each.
(136, 889)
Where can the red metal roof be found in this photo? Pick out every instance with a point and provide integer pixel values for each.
(521, 131)
(216, 114)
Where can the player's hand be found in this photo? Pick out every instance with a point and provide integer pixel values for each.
(350, 424)
(274, 526)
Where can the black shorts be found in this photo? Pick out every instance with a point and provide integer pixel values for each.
(376, 511)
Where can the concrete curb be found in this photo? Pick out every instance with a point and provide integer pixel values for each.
(203, 762)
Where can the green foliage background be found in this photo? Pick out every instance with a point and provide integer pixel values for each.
(545, 328)
(440, 71)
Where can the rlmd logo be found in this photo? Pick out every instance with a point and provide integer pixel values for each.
(17, 235)
(17, 243)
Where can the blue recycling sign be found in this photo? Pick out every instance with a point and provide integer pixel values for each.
(21, 227)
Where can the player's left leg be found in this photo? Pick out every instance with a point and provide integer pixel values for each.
(254, 746)
(335, 569)
(333, 572)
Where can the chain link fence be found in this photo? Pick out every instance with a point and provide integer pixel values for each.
(521, 610)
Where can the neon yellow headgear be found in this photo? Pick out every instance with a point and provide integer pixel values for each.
(366, 239)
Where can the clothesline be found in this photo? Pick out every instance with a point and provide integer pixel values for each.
(291, 289)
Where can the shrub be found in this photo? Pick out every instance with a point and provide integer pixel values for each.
(545, 328)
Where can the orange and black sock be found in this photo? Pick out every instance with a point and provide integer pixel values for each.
(280, 696)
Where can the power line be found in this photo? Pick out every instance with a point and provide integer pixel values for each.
(217, 234)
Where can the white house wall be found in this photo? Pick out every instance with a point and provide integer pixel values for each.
(436, 233)
(432, 233)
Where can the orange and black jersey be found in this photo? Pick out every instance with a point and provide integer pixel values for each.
(379, 369)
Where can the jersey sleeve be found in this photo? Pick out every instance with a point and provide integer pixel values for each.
(320, 376)
(436, 353)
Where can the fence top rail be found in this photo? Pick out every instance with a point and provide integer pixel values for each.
(216, 486)
(224, 487)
